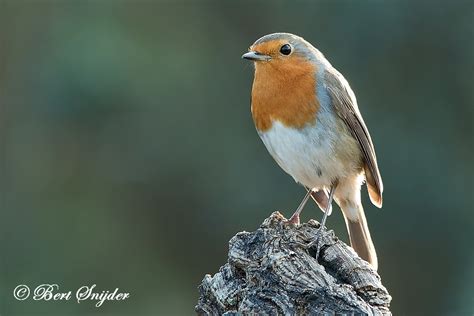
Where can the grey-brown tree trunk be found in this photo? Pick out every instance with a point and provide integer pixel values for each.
(272, 271)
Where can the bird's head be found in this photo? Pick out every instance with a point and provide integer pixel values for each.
(283, 52)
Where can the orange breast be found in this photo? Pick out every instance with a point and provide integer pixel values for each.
(284, 91)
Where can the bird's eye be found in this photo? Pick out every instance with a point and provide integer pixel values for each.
(285, 49)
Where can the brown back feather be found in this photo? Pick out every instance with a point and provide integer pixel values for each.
(345, 104)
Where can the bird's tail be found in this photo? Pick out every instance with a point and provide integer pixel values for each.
(359, 234)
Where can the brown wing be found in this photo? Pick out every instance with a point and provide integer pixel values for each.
(345, 104)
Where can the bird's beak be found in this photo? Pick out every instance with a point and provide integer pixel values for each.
(256, 56)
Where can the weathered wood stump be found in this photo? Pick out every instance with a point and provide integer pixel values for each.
(271, 271)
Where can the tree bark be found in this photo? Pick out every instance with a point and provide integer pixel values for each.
(272, 271)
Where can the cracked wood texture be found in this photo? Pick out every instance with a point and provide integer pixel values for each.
(272, 272)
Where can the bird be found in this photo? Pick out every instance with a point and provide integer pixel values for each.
(307, 116)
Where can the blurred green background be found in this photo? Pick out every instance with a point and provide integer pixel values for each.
(129, 156)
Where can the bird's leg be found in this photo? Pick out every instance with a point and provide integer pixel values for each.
(323, 222)
(295, 218)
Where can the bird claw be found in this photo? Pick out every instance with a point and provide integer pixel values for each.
(311, 244)
(300, 244)
(315, 242)
(293, 221)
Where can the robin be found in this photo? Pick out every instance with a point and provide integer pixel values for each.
(307, 116)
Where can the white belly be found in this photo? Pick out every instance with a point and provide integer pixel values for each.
(316, 155)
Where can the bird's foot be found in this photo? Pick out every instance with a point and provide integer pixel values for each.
(316, 242)
(294, 220)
